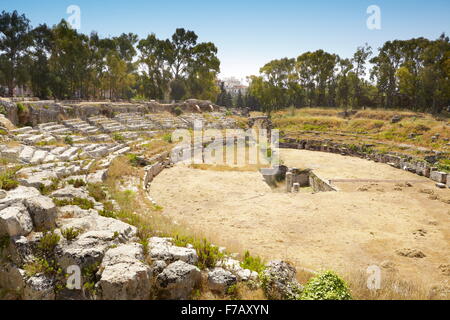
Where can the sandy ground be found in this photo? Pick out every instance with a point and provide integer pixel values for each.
(362, 225)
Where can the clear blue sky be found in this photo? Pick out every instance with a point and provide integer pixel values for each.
(250, 33)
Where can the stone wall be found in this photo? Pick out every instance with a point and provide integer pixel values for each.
(396, 160)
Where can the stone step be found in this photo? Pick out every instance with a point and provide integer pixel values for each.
(26, 154)
(38, 157)
(59, 150)
(69, 154)
(22, 130)
(49, 158)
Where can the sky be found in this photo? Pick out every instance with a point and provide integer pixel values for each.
(250, 33)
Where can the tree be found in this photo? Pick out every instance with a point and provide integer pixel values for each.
(240, 100)
(15, 41)
(359, 61)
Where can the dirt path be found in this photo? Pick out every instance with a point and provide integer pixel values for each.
(362, 225)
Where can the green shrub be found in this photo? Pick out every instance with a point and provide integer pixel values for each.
(89, 277)
(326, 286)
(8, 180)
(21, 108)
(96, 192)
(168, 137)
(252, 263)
(68, 140)
(177, 111)
(70, 234)
(42, 266)
(208, 254)
(46, 190)
(118, 137)
(77, 183)
(48, 243)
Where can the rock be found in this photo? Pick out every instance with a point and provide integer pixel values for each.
(87, 250)
(15, 221)
(4, 122)
(71, 192)
(178, 281)
(439, 177)
(396, 119)
(67, 212)
(123, 275)
(95, 222)
(410, 253)
(162, 249)
(11, 277)
(441, 185)
(43, 212)
(37, 179)
(280, 281)
(18, 195)
(445, 269)
(97, 177)
(39, 287)
(219, 280)
(21, 249)
(246, 275)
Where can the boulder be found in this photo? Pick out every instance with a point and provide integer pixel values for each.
(219, 280)
(97, 177)
(279, 281)
(162, 249)
(15, 221)
(178, 281)
(11, 277)
(18, 195)
(43, 212)
(39, 287)
(123, 275)
(88, 249)
(95, 222)
(70, 192)
(21, 249)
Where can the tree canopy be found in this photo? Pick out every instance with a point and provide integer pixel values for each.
(60, 62)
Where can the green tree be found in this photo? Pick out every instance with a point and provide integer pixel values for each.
(15, 41)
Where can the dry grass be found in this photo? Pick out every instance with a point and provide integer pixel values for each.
(393, 288)
(414, 128)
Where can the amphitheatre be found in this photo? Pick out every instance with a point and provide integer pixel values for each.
(105, 178)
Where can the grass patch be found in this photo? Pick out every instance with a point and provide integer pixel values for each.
(77, 183)
(84, 204)
(8, 180)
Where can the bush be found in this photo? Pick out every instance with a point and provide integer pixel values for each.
(252, 263)
(48, 243)
(96, 192)
(68, 140)
(78, 183)
(326, 286)
(70, 234)
(208, 254)
(168, 137)
(177, 111)
(8, 181)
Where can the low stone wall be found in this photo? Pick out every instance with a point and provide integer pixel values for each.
(396, 160)
(319, 184)
(159, 162)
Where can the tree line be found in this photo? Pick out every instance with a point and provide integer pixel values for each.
(62, 63)
(412, 74)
